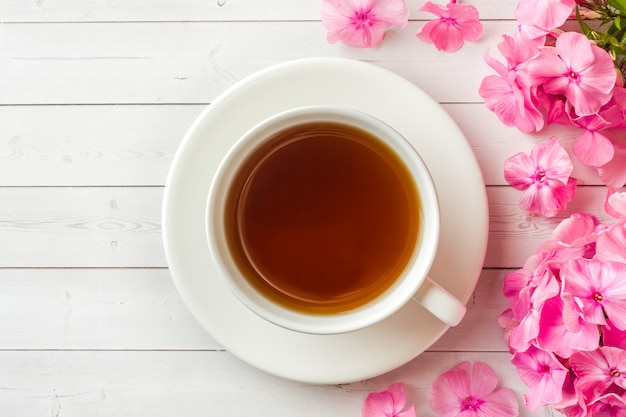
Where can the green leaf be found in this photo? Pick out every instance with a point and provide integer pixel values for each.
(618, 23)
(619, 5)
(585, 28)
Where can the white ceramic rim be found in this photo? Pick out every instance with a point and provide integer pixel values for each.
(413, 274)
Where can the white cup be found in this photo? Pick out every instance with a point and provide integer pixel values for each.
(412, 284)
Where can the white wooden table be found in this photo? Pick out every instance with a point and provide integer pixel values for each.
(95, 97)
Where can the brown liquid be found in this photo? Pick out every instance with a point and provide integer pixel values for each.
(323, 218)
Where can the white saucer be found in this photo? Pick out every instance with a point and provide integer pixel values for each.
(318, 81)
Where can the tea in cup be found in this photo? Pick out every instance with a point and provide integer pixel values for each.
(324, 220)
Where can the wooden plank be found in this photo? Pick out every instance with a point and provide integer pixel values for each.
(167, 383)
(479, 330)
(120, 226)
(514, 235)
(134, 145)
(195, 10)
(89, 227)
(115, 63)
(90, 145)
(95, 309)
(139, 309)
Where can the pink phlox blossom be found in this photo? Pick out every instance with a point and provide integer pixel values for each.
(531, 305)
(528, 329)
(509, 94)
(470, 390)
(511, 102)
(555, 336)
(520, 284)
(573, 237)
(598, 370)
(598, 289)
(583, 72)
(545, 14)
(388, 403)
(542, 372)
(544, 176)
(455, 24)
(362, 23)
(609, 405)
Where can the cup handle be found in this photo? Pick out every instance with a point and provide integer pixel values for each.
(440, 302)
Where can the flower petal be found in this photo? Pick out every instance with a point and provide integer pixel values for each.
(593, 149)
(575, 52)
(613, 173)
(446, 37)
(501, 403)
(392, 12)
(552, 158)
(482, 379)
(518, 170)
(378, 404)
(546, 14)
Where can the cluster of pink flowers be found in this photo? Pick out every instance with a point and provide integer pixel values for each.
(363, 23)
(551, 76)
(566, 325)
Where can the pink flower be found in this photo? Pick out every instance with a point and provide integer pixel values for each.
(598, 370)
(545, 14)
(598, 288)
(456, 24)
(528, 329)
(584, 73)
(508, 94)
(609, 405)
(520, 285)
(469, 390)
(544, 375)
(388, 403)
(362, 23)
(543, 176)
(573, 237)
(564, 340)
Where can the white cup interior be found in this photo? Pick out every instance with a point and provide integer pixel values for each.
(396, 296)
